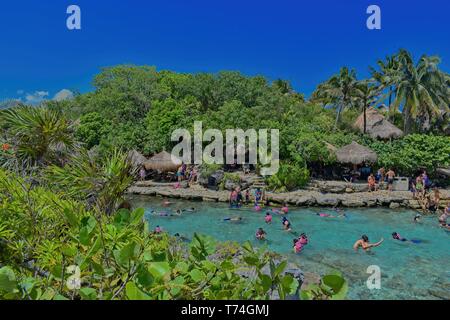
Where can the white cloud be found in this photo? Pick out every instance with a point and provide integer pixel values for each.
(36, 97)
(64, 94)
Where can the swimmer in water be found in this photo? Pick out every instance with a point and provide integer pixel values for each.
(327, 215)
(158, 230)
(233, 219)
(443, 217)
(260, 234)
(397, 236)
(417, 218)
(166, 203)
(285, 208)
(189, 210)
(300, 242)
(268, 218)
(286, 224)
(365, 245)
(178, 212)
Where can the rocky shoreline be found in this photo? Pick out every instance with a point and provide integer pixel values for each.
(313, 196)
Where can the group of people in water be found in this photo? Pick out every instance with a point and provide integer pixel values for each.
(299, 242)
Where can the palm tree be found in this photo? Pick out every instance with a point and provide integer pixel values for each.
(388, 77)
(366, 94)
(99, 182)
(40, 135)
(338, 91)
(422, 90)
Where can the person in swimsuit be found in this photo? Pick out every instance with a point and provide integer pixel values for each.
(233, 199)
(390, 175)
(365, 244)
(397, 236)
(286, 224)
(372, 183)
(285, 208)
(260, 234)
(417, 218)
(247, 196)
(158, 230)
(443, 217)
(237, 219)
(300, 242)
(268, 218)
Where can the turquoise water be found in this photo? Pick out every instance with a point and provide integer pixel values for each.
(408, 271)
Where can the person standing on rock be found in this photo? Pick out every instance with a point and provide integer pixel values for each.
(390, 176)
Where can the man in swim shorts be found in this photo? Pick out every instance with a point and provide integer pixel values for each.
(365, 244)
(390, 176)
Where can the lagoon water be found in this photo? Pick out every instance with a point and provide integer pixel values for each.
(408, 271)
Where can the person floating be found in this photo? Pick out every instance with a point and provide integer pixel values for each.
(364, 243)
(397, 236)
(260, 234)
(233, 219)
(268, 217)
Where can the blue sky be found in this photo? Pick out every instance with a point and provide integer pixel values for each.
(301, 41)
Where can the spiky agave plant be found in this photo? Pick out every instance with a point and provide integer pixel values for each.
(39, 135)
(99, 182)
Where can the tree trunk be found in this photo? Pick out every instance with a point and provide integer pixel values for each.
(389, 106)
(407, 119)
(338, 114)
(365, 119)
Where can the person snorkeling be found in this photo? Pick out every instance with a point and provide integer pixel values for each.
(397, 236)
(235, 219)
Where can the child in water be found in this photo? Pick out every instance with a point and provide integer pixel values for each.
(300, 242)
(286, 224)
(268, 217)
(260, 234)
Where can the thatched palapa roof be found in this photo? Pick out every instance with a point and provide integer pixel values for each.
(163, 161)
(377, 126)
(356, 154)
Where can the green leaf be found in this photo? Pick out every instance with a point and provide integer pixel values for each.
(197, 275)
(143, 276)
(134, 293)
(137, 215)
(159, 269)
(337, 284)
(8, 282)
(71, 217)
(266, 282)
(88, 294)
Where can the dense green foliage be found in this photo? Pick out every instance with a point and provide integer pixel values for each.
(47, 241)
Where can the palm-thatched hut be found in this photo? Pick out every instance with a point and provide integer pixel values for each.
(355, 153)
(163, 162)
(377, 126)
